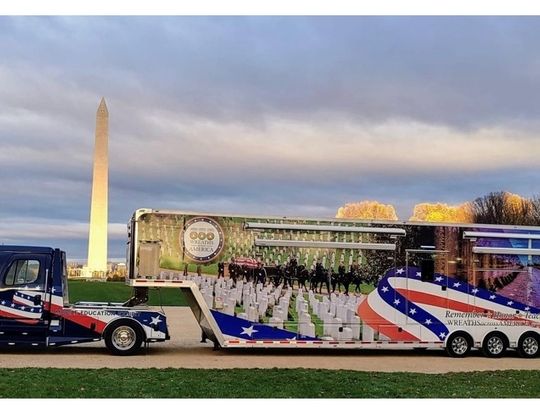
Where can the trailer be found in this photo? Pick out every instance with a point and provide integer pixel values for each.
(365, 284)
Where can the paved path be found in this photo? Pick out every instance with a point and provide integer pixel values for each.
(184, 350)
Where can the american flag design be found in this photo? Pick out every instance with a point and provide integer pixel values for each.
(239, 328)
(21, 307)
(403, 307)
(246, 261)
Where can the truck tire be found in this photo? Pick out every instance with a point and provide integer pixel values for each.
(495, 343)
(123, 337)
(458, 344)
(529, 345)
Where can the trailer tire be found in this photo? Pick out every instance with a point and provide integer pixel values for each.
(458, 344)
(123, 337)
(529, 345)
(494, 345)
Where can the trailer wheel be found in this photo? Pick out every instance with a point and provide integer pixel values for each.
(529, 345)
(123, 337)
(494, 345)
(458, 344)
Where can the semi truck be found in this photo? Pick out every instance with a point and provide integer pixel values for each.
(35, 309)
(286, 282)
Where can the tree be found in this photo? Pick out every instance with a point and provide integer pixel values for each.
(534, 213)
(442, 212)
(505, 208)
(372, 210)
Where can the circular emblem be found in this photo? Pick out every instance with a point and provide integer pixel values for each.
(203, 239)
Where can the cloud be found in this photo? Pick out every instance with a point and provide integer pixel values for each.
(334, 150)
(460, 72)
(16, 229)
(262, 115)
(69, 236)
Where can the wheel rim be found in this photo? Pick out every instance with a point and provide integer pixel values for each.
(460, 345)
(495, 345)
(123, 337)
(530, 345)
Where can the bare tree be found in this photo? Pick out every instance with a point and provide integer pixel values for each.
(506, 208)
(535, 210)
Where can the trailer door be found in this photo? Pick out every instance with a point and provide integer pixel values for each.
(427, 283)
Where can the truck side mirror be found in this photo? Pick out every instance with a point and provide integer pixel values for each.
(37, 299)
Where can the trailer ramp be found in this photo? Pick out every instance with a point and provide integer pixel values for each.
(196, 303)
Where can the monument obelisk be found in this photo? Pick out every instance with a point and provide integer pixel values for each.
(97, 235)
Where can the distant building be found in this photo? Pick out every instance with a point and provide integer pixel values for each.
(115, 272)
(74, 270)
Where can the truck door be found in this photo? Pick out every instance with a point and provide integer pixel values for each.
(22, 291)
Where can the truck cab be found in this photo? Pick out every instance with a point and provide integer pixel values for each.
(35, 310)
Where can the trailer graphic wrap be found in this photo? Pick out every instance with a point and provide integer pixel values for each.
(235, 327)
(349, 282)
(428, 313)
(380, 309)
(202, 239)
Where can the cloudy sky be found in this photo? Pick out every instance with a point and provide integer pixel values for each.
(261, 115)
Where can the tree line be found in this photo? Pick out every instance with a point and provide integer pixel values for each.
(494, 208)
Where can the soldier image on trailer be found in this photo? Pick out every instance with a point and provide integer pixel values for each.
(260, 274)
(335, 280)
(303, 276)
(341, 275)
(287, 277)
(233, 271)
(278, 274)
(327, 279)
(348, 279)
(221, 269)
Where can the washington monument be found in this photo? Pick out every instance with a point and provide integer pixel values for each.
(97, 236)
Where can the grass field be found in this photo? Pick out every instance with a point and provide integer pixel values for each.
(259, 383)
(120, 292)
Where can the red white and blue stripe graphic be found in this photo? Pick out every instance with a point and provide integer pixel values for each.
(97, 318)
(21, 307)
(403, 302)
